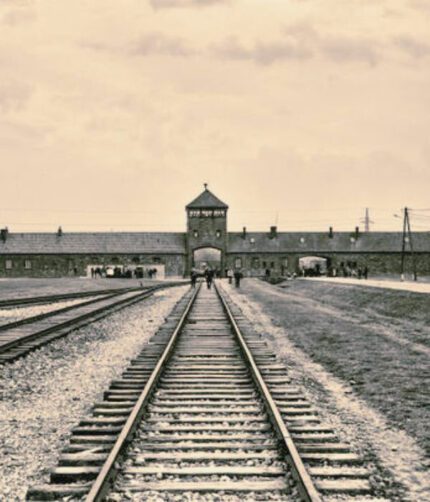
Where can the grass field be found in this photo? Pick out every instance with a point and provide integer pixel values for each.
(376, 340)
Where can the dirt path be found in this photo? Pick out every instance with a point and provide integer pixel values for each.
(359, 317)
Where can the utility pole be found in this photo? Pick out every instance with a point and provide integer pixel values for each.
(407, 237)
(367, 221)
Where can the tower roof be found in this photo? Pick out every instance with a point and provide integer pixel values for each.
(206, 200)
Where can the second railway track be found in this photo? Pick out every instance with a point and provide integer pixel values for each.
(205, 410)
(20, 337)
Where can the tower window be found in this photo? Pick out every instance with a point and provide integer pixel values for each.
(238, 263)
(27, 264)
(8, 264)
(196, 233)
(218, 234)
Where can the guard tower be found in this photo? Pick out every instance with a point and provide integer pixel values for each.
(206, 232)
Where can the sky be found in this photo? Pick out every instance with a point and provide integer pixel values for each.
(297, 113)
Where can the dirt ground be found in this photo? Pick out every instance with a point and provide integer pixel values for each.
(21, 288)
(368, 349)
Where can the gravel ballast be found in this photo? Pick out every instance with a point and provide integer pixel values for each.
(44, 395)
(13, 314)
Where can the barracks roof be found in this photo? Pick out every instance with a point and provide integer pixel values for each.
(94, 242)
(175, 243)
(320, 242)
(206, 200)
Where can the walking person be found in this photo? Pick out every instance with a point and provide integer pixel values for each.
(209, 277)
(237, 277)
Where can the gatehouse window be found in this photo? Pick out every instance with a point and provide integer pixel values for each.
(27, 264)
(256, 262)
(264, 264)
(156, 259)
(136, 259)
(285, 262)
(196, 233)
(8, 264)
(238, 263)
(218, 234)
(272, 264)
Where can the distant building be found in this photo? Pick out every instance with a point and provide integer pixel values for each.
(205, 243)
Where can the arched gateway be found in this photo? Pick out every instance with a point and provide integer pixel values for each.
(207, 257)
(206, 231)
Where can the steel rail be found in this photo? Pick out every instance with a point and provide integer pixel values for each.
(36, 300)
(306, 486)
(109, 469)
(52, 313)
(121, 303)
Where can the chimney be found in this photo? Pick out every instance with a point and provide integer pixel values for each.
(59, 232)
(356, 233)
(273, 232)
(330, 232)
(3, 233)
(244, 233)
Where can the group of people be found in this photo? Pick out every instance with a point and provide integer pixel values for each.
(349, 271)
(120, 273)
(210, 274)
(237, 275)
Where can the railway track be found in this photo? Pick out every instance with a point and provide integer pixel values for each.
(205, 410)
(20, 337)
(42, 299)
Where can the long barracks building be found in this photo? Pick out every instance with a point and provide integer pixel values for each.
(207, 241)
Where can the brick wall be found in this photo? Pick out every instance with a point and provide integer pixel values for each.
(76, 265)
(377, 263)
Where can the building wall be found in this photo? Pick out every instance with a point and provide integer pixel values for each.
(76, 265)
(255, 264)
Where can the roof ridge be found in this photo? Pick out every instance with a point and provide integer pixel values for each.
(206, 200)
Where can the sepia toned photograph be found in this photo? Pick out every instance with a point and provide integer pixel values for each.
(215, 250)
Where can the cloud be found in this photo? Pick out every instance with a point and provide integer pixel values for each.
(421, 5)
(301, 42)
(343, 49)
(13, 96)
(261, 53)
(18, 16)
(157, 43)
(413, 47)
(170, 4)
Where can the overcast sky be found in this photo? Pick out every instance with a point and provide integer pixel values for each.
(113, 113)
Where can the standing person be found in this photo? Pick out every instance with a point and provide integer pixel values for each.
(365, 272)
(193, 278)
(237, 277)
